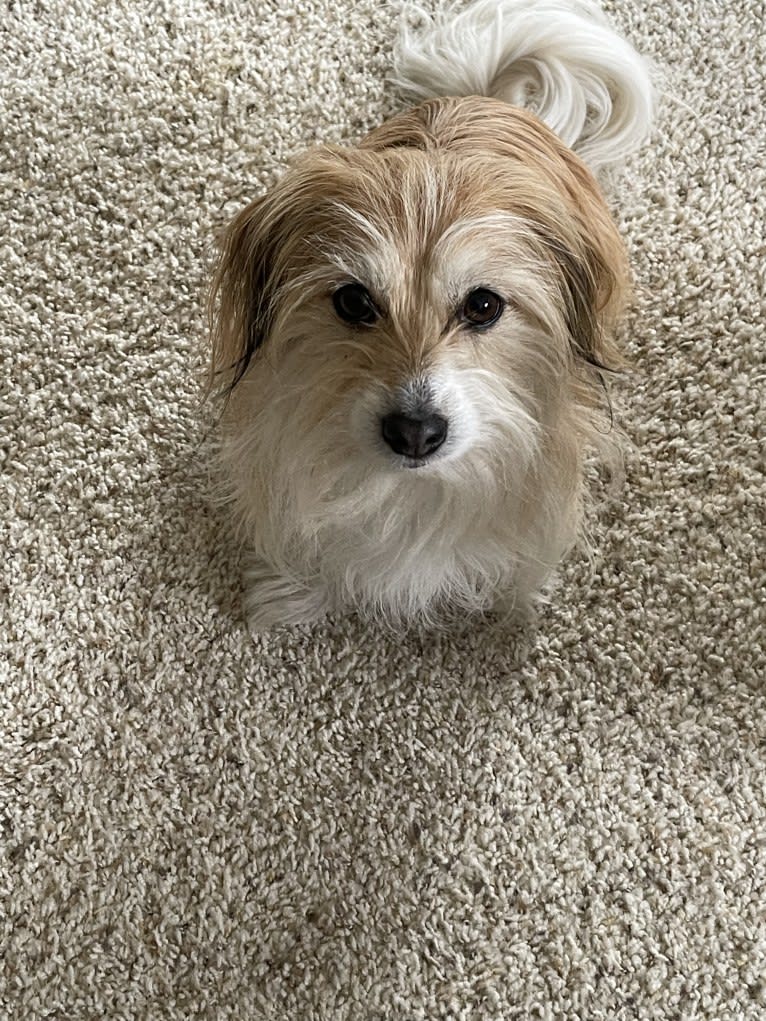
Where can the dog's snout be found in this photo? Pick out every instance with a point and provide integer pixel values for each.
(414, 436)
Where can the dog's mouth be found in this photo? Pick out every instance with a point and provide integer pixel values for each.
(420, 463)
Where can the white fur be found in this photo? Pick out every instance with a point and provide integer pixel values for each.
(558, 58)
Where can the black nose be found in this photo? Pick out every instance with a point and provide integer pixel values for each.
(414, 437)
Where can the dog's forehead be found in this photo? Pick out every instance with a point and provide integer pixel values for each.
(420, 230)
(438, 267)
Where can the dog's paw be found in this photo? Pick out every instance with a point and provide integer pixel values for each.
(273, 600)
(523, 603)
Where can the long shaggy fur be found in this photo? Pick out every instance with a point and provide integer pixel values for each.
(452, 195)
(558, 58)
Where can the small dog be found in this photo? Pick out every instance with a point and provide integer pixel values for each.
(412, 333)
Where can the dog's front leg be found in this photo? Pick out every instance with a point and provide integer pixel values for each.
(273, 599)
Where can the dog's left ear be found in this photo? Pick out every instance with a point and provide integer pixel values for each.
(594, 267)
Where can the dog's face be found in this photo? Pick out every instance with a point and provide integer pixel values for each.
(404, 310)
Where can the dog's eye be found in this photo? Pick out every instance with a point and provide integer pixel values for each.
(354, 305)
(482, 308)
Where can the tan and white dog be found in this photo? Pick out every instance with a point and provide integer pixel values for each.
(412, 334)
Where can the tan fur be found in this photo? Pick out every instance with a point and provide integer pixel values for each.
(592, 257)
(456, 193)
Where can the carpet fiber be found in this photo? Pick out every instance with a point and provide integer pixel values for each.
(341, 823)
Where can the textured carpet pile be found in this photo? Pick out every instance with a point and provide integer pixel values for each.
(341, 823)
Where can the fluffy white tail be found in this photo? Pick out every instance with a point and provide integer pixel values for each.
(558, 58)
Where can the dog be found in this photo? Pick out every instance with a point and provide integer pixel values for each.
(412, 335)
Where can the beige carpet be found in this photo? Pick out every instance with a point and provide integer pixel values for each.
(342, 823)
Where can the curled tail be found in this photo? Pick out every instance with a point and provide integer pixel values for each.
(558, 58)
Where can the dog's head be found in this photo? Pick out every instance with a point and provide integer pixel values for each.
(431, 301)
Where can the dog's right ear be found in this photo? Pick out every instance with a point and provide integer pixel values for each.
(268, 243)
(241, 293)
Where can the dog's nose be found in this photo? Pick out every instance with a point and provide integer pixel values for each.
(415, 437)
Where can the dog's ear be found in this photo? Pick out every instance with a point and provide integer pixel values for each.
(264, 246)
(241, 293)
(594, 266)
